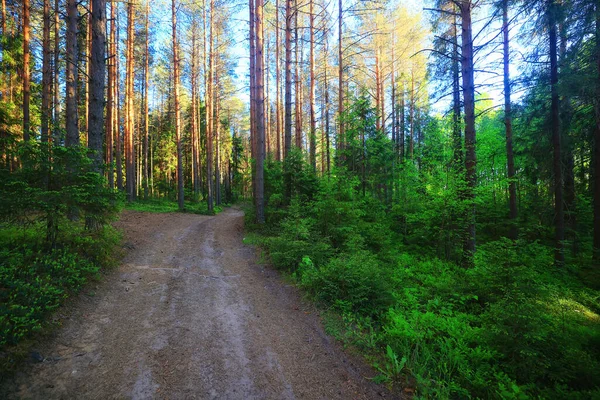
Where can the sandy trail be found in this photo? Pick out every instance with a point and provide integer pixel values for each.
(189, 315)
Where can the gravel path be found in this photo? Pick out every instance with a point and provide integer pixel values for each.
(190, 315)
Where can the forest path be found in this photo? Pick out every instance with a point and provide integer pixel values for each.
(189, 314)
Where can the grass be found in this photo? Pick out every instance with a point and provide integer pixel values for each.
(169, 206)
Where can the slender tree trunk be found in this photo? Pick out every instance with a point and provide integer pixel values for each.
(117, 127)
(260, 123)
(217, 123)
(209, 115)
(176, 79)
(110, 99)
(313, 118)
(252, 34)
(512, 187)
(456, 113)
(146, 107)
(469, 106)
(288, 77)
(193, 120)
(412, 114)
(96, 83)
(340, 140)
(129, 109)
(378, 91)
(327, 133)
(597, 148)
(56, 73)
(277, 84)
(298, 61)
(556, 140)
(72, 138)
(46, 75)
(26, 73)
(401, 138)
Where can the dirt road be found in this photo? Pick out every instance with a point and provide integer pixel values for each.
(189, 315)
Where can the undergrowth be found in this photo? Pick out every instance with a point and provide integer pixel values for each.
(169, 206)
(512, 327)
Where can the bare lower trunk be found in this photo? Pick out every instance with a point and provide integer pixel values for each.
(26, 74)
(130, 173)
(512, 187)
(469, 106)
(146, 107)
(72, 138)
(180, 198)
(260, 123)
(556, 140)
(288, 77)
(313, 118)
(96, 83)
(46, 75)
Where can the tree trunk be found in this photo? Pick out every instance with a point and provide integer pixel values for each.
(457, 136)
(260, 114)
(340, 140)
(130, 173)
(556, 140)
(277, 84)
(71, 123)
(56, 73)
(96, 83)
(193, 120)
(209, 115)
(46, 75)
(288, 77)
(313, 118)
(469, 106)
(117, 126)
(146, 107)
(110, 99)
(26, 73)
(298, 62)
(217, 124)
(512, 187)
(180, 198)
(597, 148)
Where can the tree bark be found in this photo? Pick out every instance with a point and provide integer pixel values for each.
(596, 254)
(340, 140)
(110, 99)
(146, 107)
(193, 120)
(470, 139)
(46, 75)
(260, 114)
(176, 79)
(313, 119)
(117, 126)
(277, 84)
(209, 115)
(130, 173)
(26, 73)
(56, 73)
(288, 77)
(512, 187)
(96, 83)
(556, 139)
(71, 123)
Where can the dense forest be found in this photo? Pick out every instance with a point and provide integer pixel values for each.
(427, 172)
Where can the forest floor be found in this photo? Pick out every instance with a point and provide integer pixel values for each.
(191, 314)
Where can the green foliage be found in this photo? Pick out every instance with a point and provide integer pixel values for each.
(54, 236)
(169, 206)
(386, 267)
